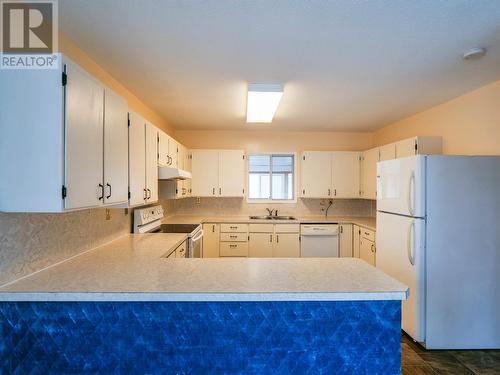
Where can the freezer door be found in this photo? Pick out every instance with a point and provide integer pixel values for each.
(401, 186)
(400, 254)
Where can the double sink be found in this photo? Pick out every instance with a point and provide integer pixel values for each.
(269, 217)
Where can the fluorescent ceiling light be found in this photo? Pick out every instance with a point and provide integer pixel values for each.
(262, 101)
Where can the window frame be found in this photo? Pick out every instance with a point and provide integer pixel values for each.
(270, 200)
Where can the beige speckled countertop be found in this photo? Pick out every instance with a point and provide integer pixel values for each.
(132, 268)
(363, 221)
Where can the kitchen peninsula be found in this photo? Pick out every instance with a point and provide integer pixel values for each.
(125, 307)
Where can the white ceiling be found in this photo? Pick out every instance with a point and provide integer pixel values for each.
(346, 65)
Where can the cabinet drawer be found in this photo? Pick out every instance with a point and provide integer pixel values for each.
(287, 228)
(234, 249)
(368, 234)
(261, 228)
(234, 228)
(233, 237)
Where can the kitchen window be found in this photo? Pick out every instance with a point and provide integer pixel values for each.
(271, 177)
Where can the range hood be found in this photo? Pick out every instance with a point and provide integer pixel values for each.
(167, 173)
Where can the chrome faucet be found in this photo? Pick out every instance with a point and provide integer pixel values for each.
(270, 211)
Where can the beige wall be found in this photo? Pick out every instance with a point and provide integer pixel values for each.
(469, 124)
(69, 48)
(275, 140)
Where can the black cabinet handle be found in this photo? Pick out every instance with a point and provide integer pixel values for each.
(148, 196)
(145, 196)
(102, 191)
(108, 196)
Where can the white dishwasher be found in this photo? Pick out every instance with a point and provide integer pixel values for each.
(319, 240)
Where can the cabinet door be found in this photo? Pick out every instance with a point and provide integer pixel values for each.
(205, 170)
(137, 159)
(231, 173)
(211, 233)
(260, 245)
(84, 139)
(345, 174)
(356, 232)
(345, 241)
(173, 150)
(151, 163)
(286, 245)
(163, 154)
(388, 152)
(115, 148)
(367, 251)
(181, 156)
(370, 159)
(187, 167)
(406, 147)
(316, 174)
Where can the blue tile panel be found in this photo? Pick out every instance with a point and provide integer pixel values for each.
(345, 337)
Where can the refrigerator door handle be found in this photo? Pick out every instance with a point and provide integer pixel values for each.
(411, 199)
(410, 242)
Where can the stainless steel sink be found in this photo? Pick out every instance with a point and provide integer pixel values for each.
(261, 217)
(272, 218)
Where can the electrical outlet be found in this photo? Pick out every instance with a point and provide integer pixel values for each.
(108, 214)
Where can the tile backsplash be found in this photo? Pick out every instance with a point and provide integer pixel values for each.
(239, 206)
(32, 241)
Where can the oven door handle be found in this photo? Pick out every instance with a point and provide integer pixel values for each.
(198, 236)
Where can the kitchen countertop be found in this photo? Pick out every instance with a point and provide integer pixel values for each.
(131, 268)
(363, 221)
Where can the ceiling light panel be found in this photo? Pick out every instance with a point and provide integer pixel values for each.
(262, 101)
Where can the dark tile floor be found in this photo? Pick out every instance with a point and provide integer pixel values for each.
(415, 360)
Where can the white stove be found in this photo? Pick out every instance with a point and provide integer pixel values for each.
(148, 220)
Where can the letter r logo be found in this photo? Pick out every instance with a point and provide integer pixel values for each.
(27, 27)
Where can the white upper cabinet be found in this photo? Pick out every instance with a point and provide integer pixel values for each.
(115, 148)
(217, 173)
(137, 157)
(62, 140)
(151, 163)
(369, 168)
(143, 172)
(205, 171)
(346, 174)
(418, 145)
(231, 173)
(316, 174)
(330, 174)
(167, 150)
(84, 139)
(387, 152)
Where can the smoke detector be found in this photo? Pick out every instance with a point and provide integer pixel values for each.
(474, 53)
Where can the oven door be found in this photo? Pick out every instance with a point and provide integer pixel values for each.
(196, 244)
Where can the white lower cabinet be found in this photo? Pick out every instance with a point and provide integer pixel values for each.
(367, 250)
(287, 245)
(211, 232)
(233, 240)
(345, 240)
(356, 236)
(260, 245)
(274, 240)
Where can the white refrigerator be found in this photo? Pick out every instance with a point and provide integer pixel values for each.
(438, 231)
